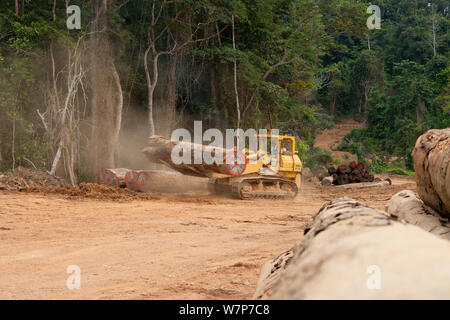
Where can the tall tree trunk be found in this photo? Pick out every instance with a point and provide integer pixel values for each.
(106, 97)
(55, 94)
(171, 95)
(421, 108)
(214, 93)
(333, 103)
(152, 80)
(17, 7)
(236, 92)
(434, 27)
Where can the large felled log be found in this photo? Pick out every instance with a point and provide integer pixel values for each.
(113, 177)
(363, 185)
(431, 157)
(406, 206)
(170, 182)
(352, 251)
(131, 180)
(159, 150)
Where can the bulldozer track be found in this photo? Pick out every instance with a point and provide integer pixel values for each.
(254, 188)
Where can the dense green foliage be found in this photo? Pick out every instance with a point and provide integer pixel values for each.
(300, 66)
(408, 82)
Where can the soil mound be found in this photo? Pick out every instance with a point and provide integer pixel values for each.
(94, 191)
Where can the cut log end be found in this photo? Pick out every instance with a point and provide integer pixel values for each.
(131, 180)
(431, 157)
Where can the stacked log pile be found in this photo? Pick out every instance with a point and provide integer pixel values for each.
(353, 173)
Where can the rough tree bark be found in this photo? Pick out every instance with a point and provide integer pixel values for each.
(352, 251)
(431, 157)
(114, 177)
(406, 206)
(236, 91)
(170, 96)
(170, 182)
(106, 95)
(159, 150)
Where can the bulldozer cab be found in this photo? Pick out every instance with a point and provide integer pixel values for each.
(285, 146)
(288, 160)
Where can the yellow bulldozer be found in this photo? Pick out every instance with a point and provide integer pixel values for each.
(246, 174)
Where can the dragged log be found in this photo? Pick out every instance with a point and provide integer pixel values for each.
(431, 157)
(352, 251)
(131, 180)
(160, 150)
(170, 182)
(113, 177)
(144, 181)
(406, 206)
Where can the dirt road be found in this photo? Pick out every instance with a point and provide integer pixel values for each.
(330, 139)
(185, 247)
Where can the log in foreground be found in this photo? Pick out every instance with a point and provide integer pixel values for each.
(352, 251)
(431, 157)
(406, 206)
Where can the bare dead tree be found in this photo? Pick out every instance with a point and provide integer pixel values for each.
(152, 54)
(62, 120)
(434, 27)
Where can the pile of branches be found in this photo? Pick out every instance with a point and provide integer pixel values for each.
(353, 173)
(22, 179)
